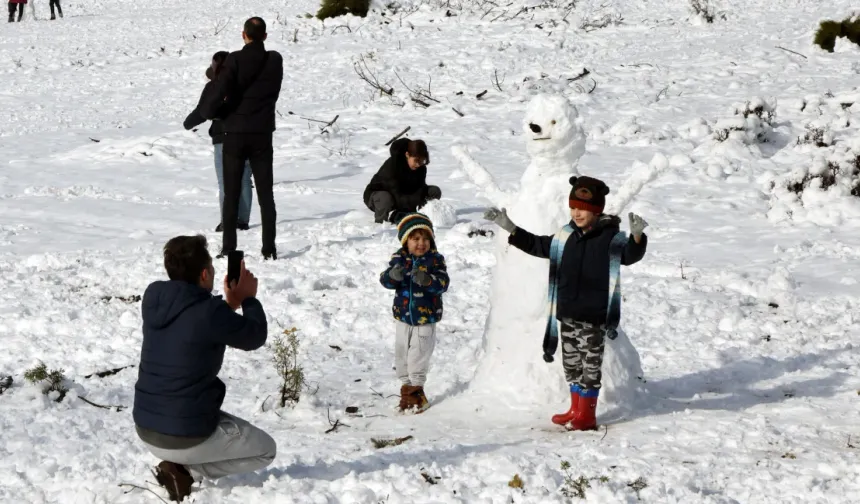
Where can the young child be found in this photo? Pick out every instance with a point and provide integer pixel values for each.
(417, 275)
(585, 258)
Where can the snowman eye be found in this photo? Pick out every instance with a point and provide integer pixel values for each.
(552, 122)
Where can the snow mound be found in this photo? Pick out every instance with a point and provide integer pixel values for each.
(441, 214)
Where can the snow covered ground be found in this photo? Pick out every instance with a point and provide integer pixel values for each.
(745, 309)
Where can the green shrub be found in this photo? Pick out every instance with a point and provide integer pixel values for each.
(334, 8)
(829, 31)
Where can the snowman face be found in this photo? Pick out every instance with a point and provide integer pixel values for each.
(550, 125)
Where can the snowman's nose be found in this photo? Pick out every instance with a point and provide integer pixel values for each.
(534, 127)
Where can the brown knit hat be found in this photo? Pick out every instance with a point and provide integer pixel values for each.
(588, 193)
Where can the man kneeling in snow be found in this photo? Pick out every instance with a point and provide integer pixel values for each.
(178, 396)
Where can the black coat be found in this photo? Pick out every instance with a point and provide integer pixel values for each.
(216, 129)
(185, 333)
(246, 90)
(407, 186)
(583, 278)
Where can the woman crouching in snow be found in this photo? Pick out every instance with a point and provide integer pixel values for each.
(585, 258)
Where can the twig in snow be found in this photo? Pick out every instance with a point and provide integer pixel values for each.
(458, 112)
(335, 347)
(605, 432)
(133, 487)
(334, 30)
(433, 480)
(849, 442)
(94, 140)
(398, 135)
(220, 26)
(481, 94)
(109, 372)
(419, 95)
(382, 396)
(296, 36)
(334, 425)
(585, 72)
(792, 52)
(118, 408)
(664, 91)
(263, 405)
(496, 82)
(385, 443)
(366, 74)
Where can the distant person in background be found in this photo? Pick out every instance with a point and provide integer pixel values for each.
(245, 95)
(19, 5)
(216, 131)
(400, 186)
(59, 9)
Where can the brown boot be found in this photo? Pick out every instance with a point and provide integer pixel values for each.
(404, 398)
(417, 400)
(175, 479)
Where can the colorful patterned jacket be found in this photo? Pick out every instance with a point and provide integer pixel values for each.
(415, 304)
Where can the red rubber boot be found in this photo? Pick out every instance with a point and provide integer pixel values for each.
(566, 418)
(586, 412)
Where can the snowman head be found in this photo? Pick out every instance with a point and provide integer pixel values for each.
(550, 126)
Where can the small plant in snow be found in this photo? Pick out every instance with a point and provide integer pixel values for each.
(573, 487)
(829, 31)
(285, 357)
(50, 381)
(705, 10)
(638, 485)
(819, 137)
(334, 8)
(751, 124)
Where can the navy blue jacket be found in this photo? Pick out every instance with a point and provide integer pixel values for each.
(583, 278)
(416, 304)
(185, 332)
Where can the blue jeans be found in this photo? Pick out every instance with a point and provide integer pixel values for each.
(246, 197)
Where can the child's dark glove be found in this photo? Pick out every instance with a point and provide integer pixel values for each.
(396, 273)
(422, 278)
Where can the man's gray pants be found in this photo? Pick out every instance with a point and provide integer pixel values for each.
(413, 348)
(235, 447)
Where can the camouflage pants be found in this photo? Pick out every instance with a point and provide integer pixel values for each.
(582, 352)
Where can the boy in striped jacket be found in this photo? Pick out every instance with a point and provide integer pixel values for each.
(585, 258)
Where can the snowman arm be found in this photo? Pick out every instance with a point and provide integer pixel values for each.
(531, 244)
(634, 252)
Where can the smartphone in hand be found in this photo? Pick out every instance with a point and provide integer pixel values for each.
(234, 265)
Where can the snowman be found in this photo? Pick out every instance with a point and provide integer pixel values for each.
(512, 372)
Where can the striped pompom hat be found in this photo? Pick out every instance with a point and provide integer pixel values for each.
(412, 222)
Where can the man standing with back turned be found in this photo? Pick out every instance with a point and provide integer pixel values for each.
(248, 88)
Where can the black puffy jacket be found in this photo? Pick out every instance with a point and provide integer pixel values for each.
(185, 333)
(407, 186)
(216, 129)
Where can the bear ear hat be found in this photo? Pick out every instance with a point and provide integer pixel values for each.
(605, 190)
(573, 180)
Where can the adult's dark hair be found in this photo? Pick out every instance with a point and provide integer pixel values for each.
(255, 29)
(185, 257)
(217, 63)
(417, 148)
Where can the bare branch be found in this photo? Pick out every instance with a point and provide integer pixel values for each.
(118, 408)
(496, 82)
(389, 143)
(133, 487)
(220, 26)
(584, 73)
(792, 52)
(419, 95)
(458, 112)
(334, 425)
(366, 74)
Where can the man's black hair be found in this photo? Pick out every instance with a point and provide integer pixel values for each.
(185, 258)
(255, 29)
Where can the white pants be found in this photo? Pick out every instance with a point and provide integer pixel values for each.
(235, 447)
(413, 348)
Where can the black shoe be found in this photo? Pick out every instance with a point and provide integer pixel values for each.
(243, 226)
(175, 479)
(219, 228)
(271, 254)
(53, 17)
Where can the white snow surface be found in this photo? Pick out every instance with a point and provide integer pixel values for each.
(744, 311)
